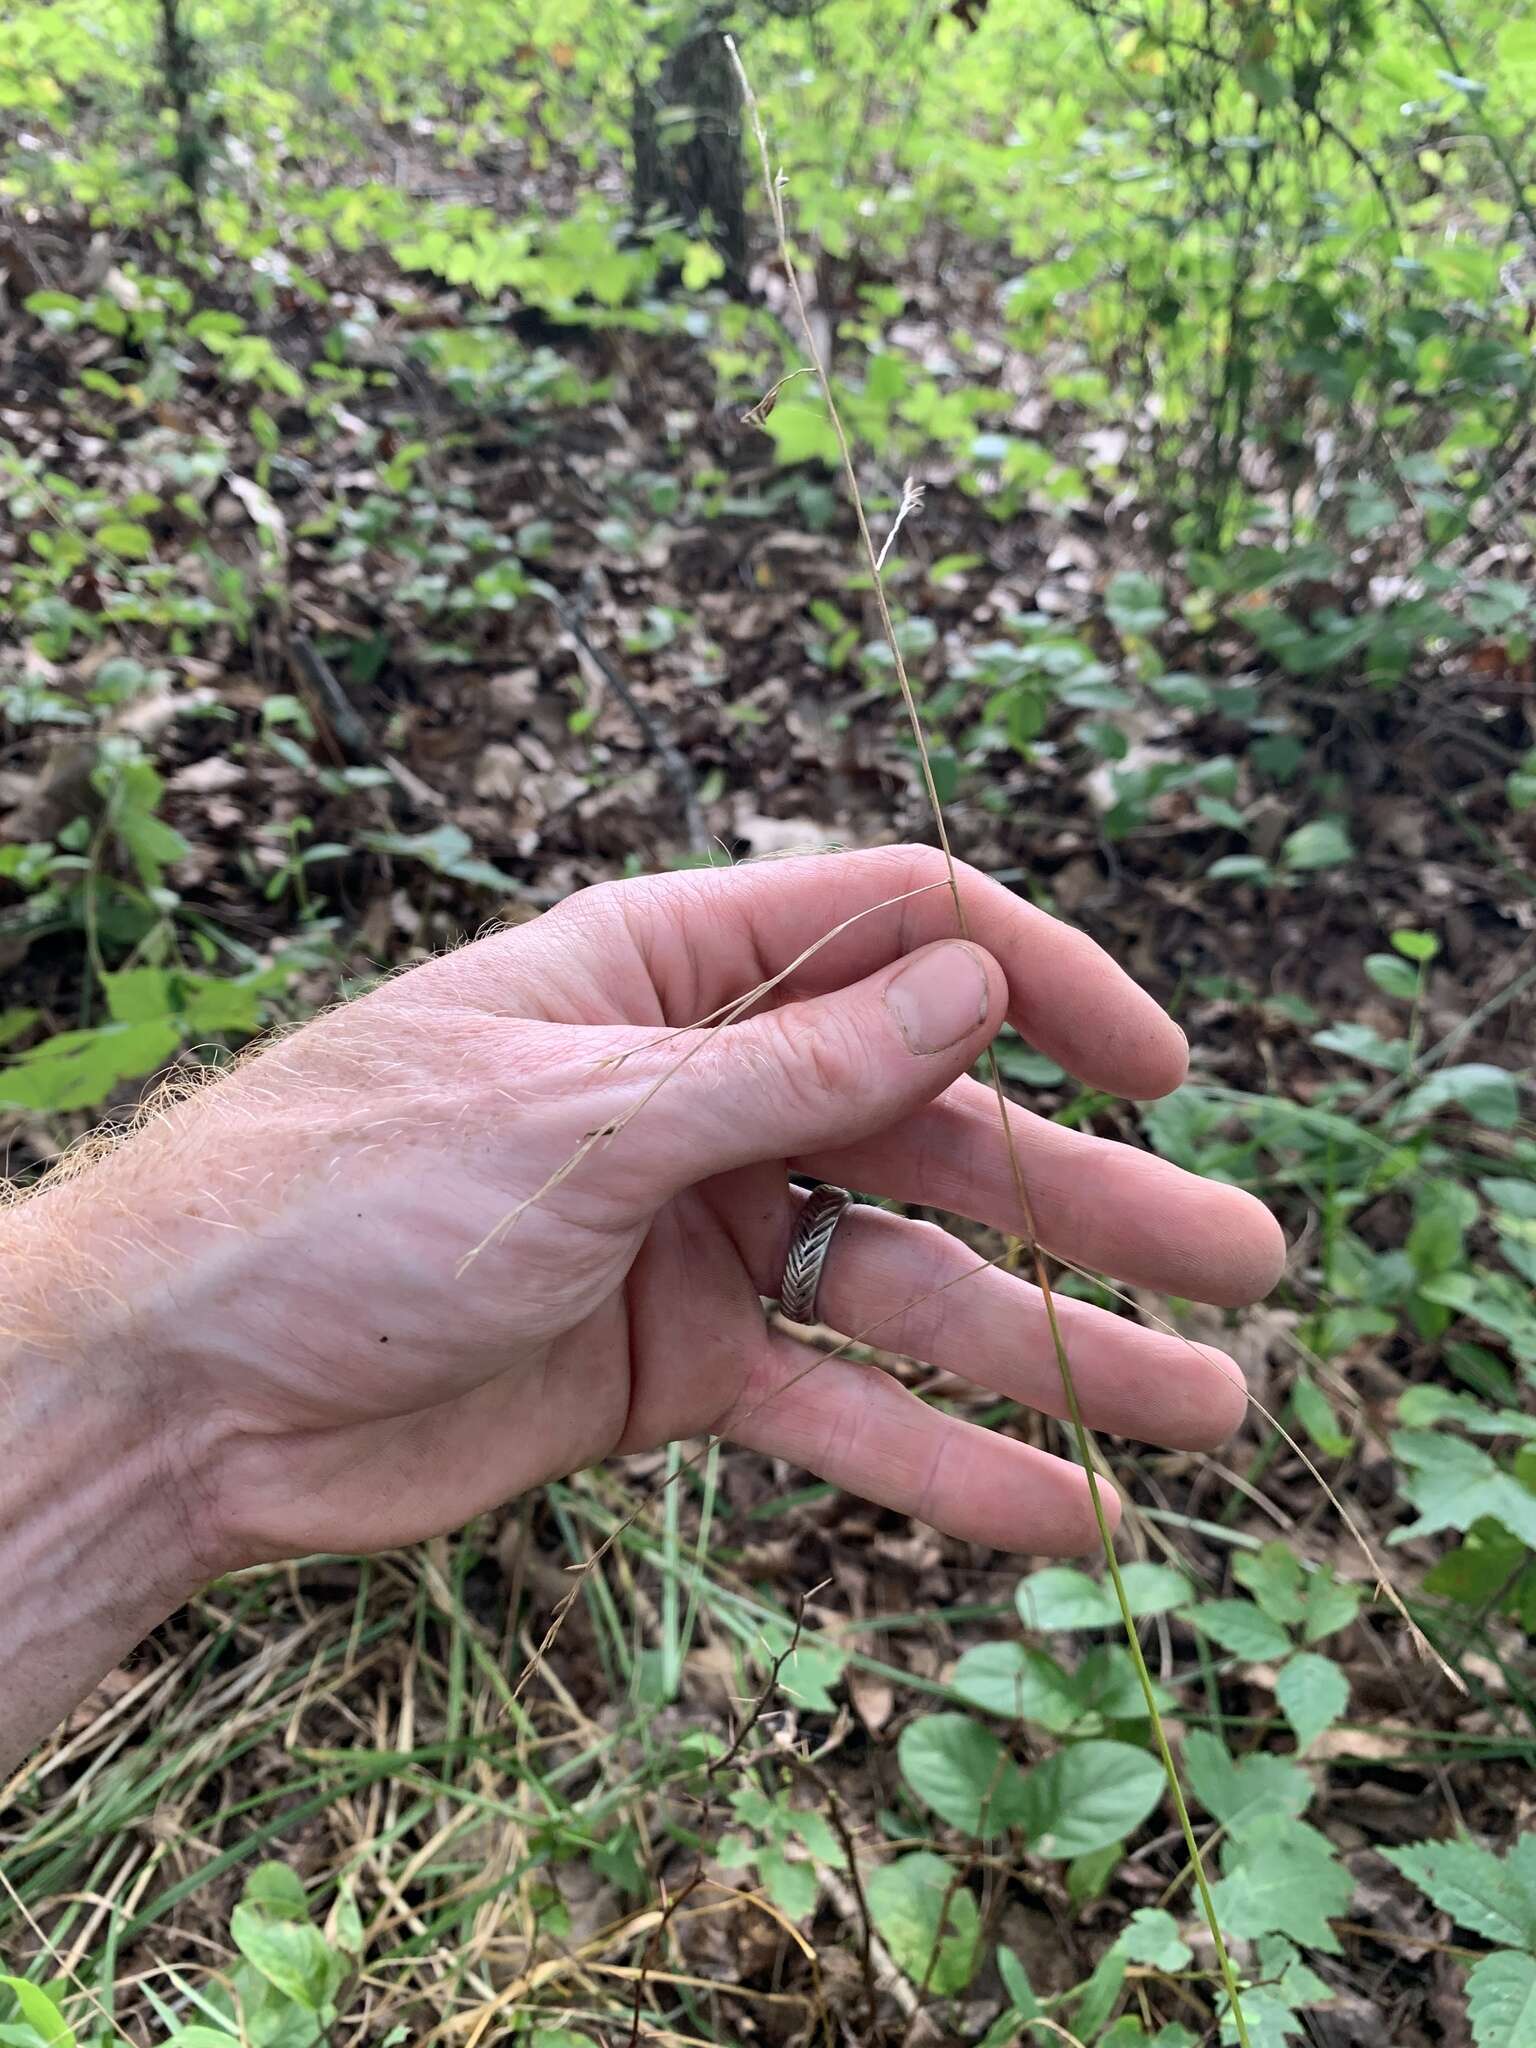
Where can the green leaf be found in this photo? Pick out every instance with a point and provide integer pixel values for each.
(1360, 1042)
(1242, 1791)
(1421, 947)
(80, 1069)
(1393, 976)
(1241, 1627)
(49, 2025)
(1134, 604)
(1485, 1093)
(1020, 1684)
(1016, 1983)
(292, 1955)
(1152, 1937)
(1062, 1598)
(1501, 2001)
(1087, 1875)
(791, 1886)
(1315, 1414)
(1282, 1877)
(1332, 1604)
(906, 1899)
(1325, 843)
(1494, 1896)
(1087, 1796)
(277, 1890)
(447, 849)
(1273, 1576)
(126, 537)
(1238, 867)
(1312, 1692)
(1443, 1212)
(961, 1770)
(1454, 1484)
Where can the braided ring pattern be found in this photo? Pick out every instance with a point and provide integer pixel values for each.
(824, 1208)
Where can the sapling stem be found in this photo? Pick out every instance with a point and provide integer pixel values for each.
(774, 186)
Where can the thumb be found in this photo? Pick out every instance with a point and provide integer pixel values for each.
(828, 1070)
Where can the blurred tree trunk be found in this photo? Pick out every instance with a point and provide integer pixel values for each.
(181, 63)
(686, 127)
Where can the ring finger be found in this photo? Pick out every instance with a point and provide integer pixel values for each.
(912, 1288)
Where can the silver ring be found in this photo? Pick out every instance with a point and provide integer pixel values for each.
(820, 1214)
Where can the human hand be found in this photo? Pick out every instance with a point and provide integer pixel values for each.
(276, 1266)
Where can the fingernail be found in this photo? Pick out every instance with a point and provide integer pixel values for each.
(939, 998)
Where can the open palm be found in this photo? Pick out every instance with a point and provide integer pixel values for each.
(513, 1212)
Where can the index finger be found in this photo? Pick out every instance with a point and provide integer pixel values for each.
(710, 934)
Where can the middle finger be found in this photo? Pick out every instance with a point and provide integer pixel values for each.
(1096, 1203)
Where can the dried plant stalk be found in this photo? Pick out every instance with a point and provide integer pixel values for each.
(774, 186)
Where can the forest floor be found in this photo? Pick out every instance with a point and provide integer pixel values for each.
(354, 1716)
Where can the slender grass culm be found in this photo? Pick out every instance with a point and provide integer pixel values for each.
(774, 185)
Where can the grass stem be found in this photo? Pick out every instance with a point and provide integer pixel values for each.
(774, 186)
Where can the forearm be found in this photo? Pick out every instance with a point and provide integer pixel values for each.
(99, 1494)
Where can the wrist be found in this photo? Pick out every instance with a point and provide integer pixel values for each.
(105, 1518)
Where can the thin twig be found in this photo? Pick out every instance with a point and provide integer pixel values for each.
(770, 1686)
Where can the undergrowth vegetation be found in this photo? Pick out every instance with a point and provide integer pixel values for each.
(403, 527)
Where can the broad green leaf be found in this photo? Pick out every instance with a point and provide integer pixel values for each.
(1134, 603)
(1443, 1212)
(1494, 1896)
(1454, 1484)
(138, 995)
(1485, 1093)
(447, 849)
(1009, 1679)
(1422, 1407)
(80, 1069)
(1023, 1684)
(1270, 2018)
(1501, 2001)
(1332, 1604)
(292, 1955)
(1393, 976)
(1239, 867)
(1360, 1042)
(1239, 1791)
(1241, 1627)
(1273, 1576)
(1312, 1692)
(906, 1899)
(791, 1886)
(1282, 1877)
(1325, 843)
(1152, 1937)
(1294, 1595)
(126, 537)
(1087, 1796)
(1060, 1597)
(277, 1890)
(962, 1771)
